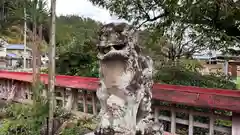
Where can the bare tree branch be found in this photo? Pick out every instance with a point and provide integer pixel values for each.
(149, 19)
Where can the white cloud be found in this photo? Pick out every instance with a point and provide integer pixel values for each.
(84, 8)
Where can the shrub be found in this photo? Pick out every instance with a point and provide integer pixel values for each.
(80, 127)
(180, 74)
(23, 119)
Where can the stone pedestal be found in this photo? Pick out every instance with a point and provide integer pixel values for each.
(91, 133)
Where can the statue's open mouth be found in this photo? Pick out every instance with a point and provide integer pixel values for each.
(115, 56)
(114, 52)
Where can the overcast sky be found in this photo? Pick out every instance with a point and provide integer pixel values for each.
(84, 8)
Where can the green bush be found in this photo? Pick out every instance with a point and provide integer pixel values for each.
(78, 59)
(81, 127)
(180, 74)
(77, 64)
(23, 119)
(44, 70)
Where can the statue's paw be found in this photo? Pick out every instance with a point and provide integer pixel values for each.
(104, 131)
(141, 127)
(157, 126)
(105, 123)
(156, 129)
(101, 113)
(123, 131)
(149, 128)
(104, 126)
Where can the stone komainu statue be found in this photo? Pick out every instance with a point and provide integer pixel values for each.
(125, 83)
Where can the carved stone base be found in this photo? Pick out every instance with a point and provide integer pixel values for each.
(107, 131)
(111, 132)
(91, 133)
(151, 129)
(122, 123)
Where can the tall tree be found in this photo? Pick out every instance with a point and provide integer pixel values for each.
(173, 42)
(37, 16)
(40, 15)
(33, 17)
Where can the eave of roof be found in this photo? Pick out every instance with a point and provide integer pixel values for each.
(16, 47)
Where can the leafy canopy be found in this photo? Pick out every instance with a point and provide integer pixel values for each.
(218, 19)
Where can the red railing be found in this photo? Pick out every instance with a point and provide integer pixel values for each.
(188, 95)
(211, 99)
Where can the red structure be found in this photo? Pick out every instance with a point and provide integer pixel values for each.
(228, 100)
(195, 96)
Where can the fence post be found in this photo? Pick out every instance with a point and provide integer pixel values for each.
(72, 100)
(173, 119)
(236, 124)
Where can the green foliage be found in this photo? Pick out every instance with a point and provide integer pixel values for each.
(79, 64)
(75, 46)
(238, 82)
(215, 18)
(71, 27)
(191, 65)
(173, 42)
(44, 70)
(81, 127)
(12, 18)
(181, 74)
(24, 119)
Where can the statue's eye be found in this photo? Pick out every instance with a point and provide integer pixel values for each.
(104, 50)
(119, 46)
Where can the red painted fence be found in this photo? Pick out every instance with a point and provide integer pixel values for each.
(188, 95)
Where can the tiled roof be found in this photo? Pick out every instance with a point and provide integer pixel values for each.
(12, 55)
(17, 46)
(205, 57)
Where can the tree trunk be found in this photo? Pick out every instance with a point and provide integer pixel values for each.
(25, 39)
(51, 83)
(34, 62)
(38, 61)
